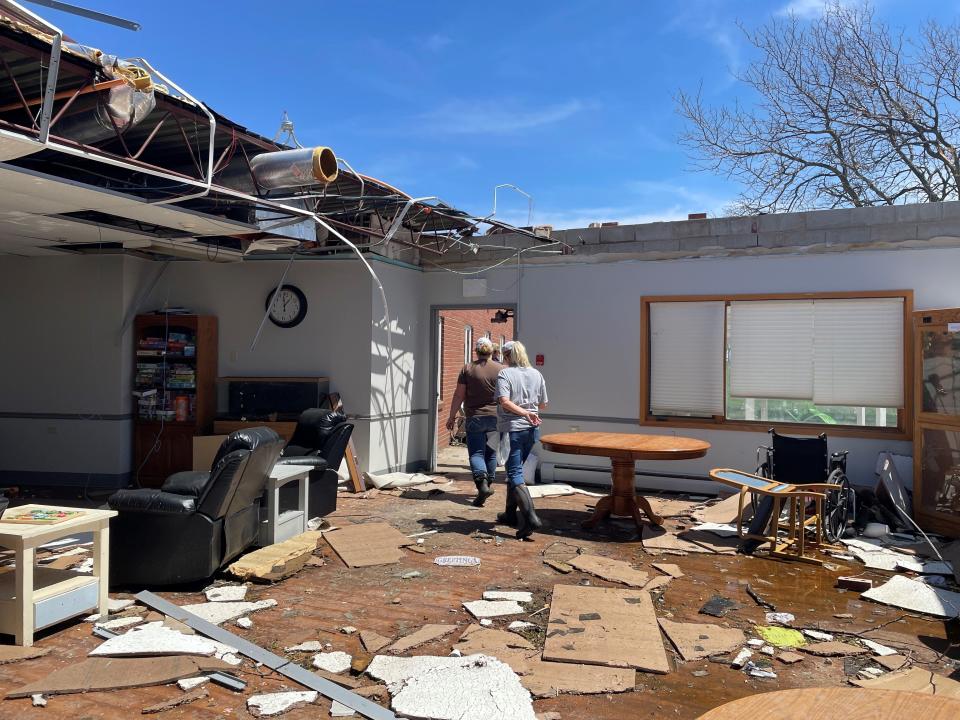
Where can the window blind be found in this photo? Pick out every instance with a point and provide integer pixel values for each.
(858, 352)
(771, 349)
(686, 358)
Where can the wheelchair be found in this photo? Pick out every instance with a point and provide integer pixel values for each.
(803, 461)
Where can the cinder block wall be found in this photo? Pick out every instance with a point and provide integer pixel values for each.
(455, 323)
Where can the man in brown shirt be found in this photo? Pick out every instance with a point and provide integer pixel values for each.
(476, 390)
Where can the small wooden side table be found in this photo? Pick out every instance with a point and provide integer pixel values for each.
(623, 449)
(280, 526)
(33, 598)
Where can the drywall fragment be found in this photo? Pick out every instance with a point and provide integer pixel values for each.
(891, 662)
(85, 567)
(391, 669)
(155, 639)
(308, 646)
(817, 635)
(226, 593)
(221, 612)
(741, 659)
(178, 701)
(119, 623)
(767, 650)
(699, 640)
(833, 649)
(493, 608)
(909, 594)
(658, 582)
(670, 569)
(38, 700)
(780, 618)
(755, 643)
(243, 622)
(422, 636)
(780, 636)
(277, 703)
(115, 605)
(877, 648)
(373, 641)
(610, 569)
(486, 622)
(348, 629)
(335, 662)
(725, 511)
(719, 529)
(477, 640)
(789, 657)
(277, 561)
(15, 653)
(520, 625)
(516, 595)
(338, 709)
(193, 682)
(760, 672)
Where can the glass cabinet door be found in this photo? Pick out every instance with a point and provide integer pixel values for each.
(940, 472)
(939, 372)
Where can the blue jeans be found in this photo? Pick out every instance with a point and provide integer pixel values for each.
(521, 443)
(483, 458)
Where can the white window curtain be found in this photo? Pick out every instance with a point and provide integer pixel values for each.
(858, 352)
(771, 349)
(686, 358)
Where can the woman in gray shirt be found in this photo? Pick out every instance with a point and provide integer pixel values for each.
(521, 395)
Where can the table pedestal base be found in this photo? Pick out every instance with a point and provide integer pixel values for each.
(623, 500)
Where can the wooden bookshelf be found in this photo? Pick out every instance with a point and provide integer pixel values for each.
(176, 356)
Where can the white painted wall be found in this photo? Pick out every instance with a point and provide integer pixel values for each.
(585, 318)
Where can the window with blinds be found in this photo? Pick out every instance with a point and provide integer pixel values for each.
(810, 359)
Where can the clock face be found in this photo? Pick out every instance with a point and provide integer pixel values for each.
(288, 306)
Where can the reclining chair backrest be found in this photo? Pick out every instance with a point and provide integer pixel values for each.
(800, 460)
(314, 427)
(226, 492)
(336, 445)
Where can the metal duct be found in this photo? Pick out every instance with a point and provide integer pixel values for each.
(295, 168)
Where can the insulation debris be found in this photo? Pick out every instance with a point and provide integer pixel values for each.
(902, 592)
(817, 635)
(694, 641)
(609, 569)
(277, 703)
(781, 636)
(220, 612)
(877, 648)
(226, 593)
(334, 662)
(515, 595)
(493, 608)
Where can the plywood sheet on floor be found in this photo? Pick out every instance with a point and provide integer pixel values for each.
(725, 511)
(547, 679)
(699, 640)
(660, 540)
(712, 542)
(420, 637)
(609, 569)
(914, 680)
(604, 626)
(368, 544)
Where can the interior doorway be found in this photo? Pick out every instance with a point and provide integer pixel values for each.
(455, 329)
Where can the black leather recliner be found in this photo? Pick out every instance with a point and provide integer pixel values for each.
(320, 441)
(197, 521)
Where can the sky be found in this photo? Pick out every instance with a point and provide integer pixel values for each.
(572, 102)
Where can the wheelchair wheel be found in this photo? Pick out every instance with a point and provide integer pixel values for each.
(836, 507)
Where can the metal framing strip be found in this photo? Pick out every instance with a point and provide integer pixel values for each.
(256, 653)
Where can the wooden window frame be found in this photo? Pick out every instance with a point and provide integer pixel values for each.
(903, 430)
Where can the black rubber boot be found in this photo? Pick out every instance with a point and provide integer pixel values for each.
(509, 514)
(483, 489)
(527, 520)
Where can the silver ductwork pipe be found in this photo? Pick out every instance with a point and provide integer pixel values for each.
(117, 110)
(295, 168)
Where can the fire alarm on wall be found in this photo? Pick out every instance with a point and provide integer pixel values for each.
(539, 360)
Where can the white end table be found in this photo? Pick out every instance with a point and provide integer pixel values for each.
(283, 526)
(33, 598)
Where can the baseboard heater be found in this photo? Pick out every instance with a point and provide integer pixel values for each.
(645, 479)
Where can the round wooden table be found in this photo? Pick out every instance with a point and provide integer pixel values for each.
(828, 703)
(623, 449)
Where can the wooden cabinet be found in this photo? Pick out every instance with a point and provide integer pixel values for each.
(175, 367)
(936, 454)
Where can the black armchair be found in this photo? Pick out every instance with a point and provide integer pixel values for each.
(197, 521)
(320, 441)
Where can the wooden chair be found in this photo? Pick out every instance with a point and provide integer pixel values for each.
(795, 545)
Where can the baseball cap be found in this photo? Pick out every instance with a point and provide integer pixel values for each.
(507, 346)
(484, 344)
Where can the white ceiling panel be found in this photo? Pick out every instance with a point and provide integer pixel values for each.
(13, 145)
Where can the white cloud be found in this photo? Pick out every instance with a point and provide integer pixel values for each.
(806, 9)
(495, 117)
(437, 42)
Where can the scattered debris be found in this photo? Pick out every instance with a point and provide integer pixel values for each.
(221, 612)
(422, 636)
(725, 511)
(609, 569)
(670, 569)
(789, 657)
(243, 622)
(833, 649)
(718, 606)
(338, 709)
(741, 659)
(373, 641)
(193, 682)
(456, 561)
(493, 608)
(755, 643)
(38, 700)
(515, 595)
(858, 584)
(231, 682)
(95, 674)
(333, 662)
(477, 640)
(119, 623)
(520, 625)
(387, 481)
(560, 567)
(156, 639)
(911, 595)
(627, 635)
(914, 680)
(411, 575)
(658, 582)
(226, 593)
(698, 640)
(877, 648)
(278, 561)
(759, 672)
(817, 635)
(308, 646)
(658, 540)
(276, 703)
(711, 542)
(486, 622)
(547, 679)
(368, 544)
(15, 653)
(891, 662)
(781, 636)
(178, 701)
(779, 618)
(761, 602)
(348, 630)
(767, 650)
(723, 530)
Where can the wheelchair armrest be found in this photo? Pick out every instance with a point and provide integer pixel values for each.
(838, 459)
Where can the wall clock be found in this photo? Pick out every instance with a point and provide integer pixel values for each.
(287, 307)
